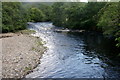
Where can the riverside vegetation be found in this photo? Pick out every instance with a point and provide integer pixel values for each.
(92, 16)
(102, 17)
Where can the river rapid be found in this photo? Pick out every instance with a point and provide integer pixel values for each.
(73, 55)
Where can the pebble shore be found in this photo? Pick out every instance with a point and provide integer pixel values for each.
(20, 55)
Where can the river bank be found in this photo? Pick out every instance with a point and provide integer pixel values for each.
(21, 53)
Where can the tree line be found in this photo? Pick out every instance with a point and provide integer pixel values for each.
(15, 15)
(97, 16)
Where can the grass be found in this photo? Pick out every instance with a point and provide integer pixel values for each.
(33, 48)
(39, 46)
(36, 49)
(27, 69)
(26, 31)
(39, 43)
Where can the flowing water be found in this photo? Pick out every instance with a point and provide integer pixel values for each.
(73, 55)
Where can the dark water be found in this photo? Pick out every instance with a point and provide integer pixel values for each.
(74, 55)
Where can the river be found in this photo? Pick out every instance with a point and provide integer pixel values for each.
(73, 55)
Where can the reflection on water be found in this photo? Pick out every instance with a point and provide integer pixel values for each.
(73, 55)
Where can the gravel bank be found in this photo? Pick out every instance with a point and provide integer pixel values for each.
(20, 54)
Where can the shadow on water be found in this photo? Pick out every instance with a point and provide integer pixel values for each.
(101, 45)
(75, 55)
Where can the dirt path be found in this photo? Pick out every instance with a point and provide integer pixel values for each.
(20, 54)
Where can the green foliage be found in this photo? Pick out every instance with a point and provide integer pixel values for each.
(36, 15)
(96, 16)
(35, 11)
(16, 15)
(75, 15)
(12, 17)
(118, 44)
(90, 12)
(58, 15)
(109, 21)
(47, 11)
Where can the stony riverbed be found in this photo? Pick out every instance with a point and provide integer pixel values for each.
(20, 54)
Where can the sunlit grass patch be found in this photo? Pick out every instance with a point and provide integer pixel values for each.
(26, 31)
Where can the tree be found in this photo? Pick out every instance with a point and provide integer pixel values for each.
(109, 21)
(36, 15)
(12, 18)
(58, 14)
(76, 15)
(46, 9)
